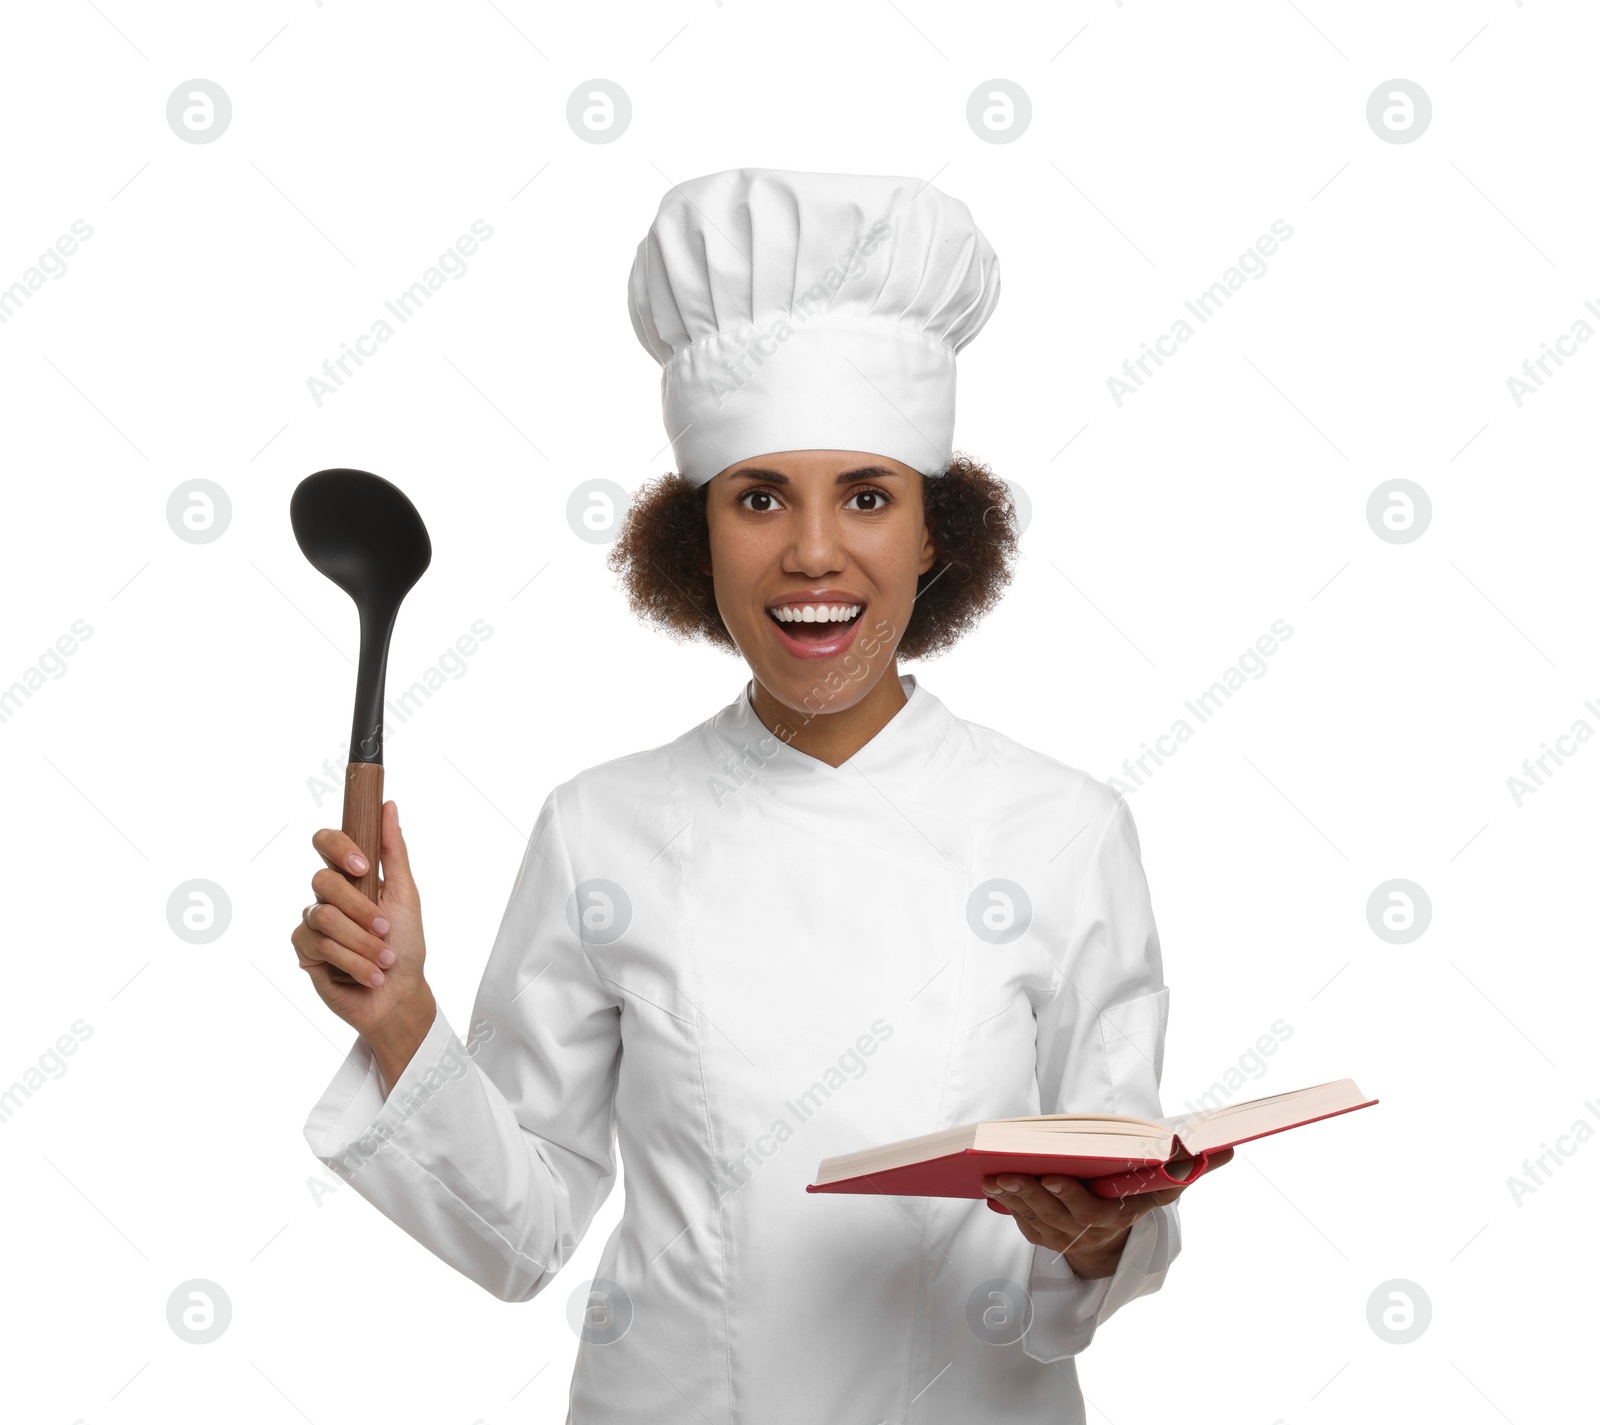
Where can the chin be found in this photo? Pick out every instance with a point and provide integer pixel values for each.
(825, 687)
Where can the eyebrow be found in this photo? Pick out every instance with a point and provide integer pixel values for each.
(846, 477)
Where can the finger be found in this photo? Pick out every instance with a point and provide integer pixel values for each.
(1044, 1221)
(330, 921)
(339, 851)
(395, 857)
(315, 948)
(1017, 1201)
(339, 890)
(1000, 1192)
(306, 940)
(1030, 1230)
(1074, 1196)
(1048, 1208)
(1013, 1204)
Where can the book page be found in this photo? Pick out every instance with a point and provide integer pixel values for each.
(1086, 1120)
(1114, 1142)
(1236, 1122)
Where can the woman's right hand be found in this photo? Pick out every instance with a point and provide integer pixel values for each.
(364, 959)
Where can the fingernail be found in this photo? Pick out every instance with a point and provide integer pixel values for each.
(380, 926)
(386, 957)
(993, 1192)
(1010, 1184)
(1053, 1186)
(357, 863)
(377, 979)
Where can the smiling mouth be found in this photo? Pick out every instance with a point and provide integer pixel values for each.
(815, 622)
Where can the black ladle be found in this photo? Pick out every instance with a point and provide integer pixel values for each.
(365, 535)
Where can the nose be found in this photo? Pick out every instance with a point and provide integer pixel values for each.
(816, 547)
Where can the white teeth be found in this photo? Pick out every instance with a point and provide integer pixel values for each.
(816, 613)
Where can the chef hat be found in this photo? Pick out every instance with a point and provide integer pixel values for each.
(809, 311)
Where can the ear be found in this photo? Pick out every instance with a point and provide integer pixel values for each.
(930, 550)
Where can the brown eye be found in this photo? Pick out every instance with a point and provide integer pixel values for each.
(879, 499)
(758, 495)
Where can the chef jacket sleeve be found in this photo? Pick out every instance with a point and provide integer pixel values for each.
(495, 1153)
(1099, 1040)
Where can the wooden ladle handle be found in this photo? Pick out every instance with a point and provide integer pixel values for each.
(363, 820)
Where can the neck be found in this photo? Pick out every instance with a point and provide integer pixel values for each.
(833, 737)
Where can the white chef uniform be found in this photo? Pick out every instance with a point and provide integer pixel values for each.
(733, 960)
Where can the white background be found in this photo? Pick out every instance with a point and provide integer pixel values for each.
(1168, 533)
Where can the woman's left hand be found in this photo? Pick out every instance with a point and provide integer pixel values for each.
(1063, 1215)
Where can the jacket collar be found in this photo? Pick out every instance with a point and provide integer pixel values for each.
(900, 751)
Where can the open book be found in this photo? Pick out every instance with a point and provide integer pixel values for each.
(1114, 1156)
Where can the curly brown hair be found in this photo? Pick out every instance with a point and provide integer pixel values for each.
(665, 546)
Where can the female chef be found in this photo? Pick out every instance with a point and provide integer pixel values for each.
(832, 915)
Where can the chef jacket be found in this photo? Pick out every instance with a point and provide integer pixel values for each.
(729, 960)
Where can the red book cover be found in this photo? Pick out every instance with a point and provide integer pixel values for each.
(961, 1173)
